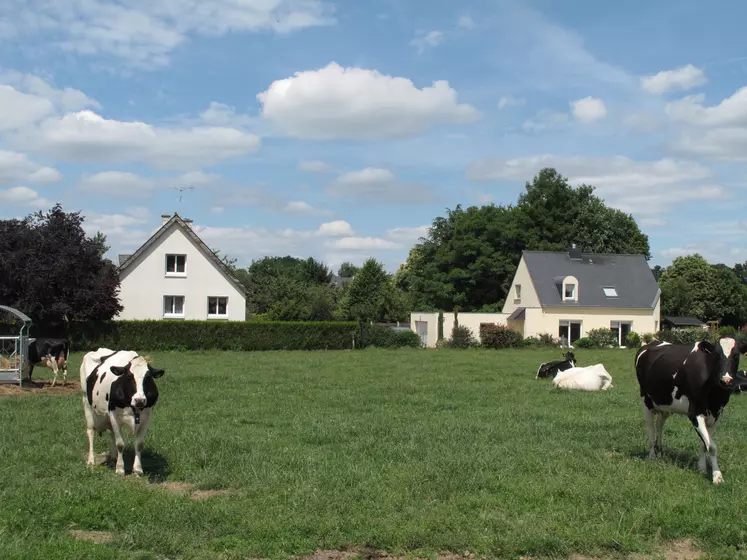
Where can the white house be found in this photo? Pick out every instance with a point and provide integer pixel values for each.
(174, 275)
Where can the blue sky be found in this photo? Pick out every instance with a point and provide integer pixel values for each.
(339, 130)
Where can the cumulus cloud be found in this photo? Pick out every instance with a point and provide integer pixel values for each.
(338, 228)
(18, 168)
(220, 114)
(315, 166)
(423, 41)
(85, 137)
(732, 111)
(639, 187)
(143, 34)
(301, 207)
(354, 103)
(117, 183)
(23, 196)
(510, 101)
(379, 185)
(588, 109)
(683, 78)
(546, 121)
(362, 244)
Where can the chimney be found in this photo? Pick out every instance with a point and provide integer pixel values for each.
(574, 253)
(165, 218)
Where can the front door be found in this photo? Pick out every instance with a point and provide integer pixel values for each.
(421, 328)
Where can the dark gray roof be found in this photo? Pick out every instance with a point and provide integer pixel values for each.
(123, 258)
(630, 275)
(690, 321)
(518, 314)
(176, 219)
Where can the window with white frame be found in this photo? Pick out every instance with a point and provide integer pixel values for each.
(518, 291)
(176, 265)
(569, 291)
(609, 291)
(217, 306)
(621, 330)
(173, 306)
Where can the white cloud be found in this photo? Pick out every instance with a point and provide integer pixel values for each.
(354, 103)
(23, 196)
(142, 34)
(363, 244)
(588, 109)
(65, 99)
(732, 111)
(16, 167)
(466, 22)
(380, 186)
(315, 166)
(117, 183)
(338, 228)
(301, 207)
(431, 39)
(713, 252)
(220, 114)
(640, 187)
(87, 137)
(683, 78)
(510, 101)
(407, 235)
(546, 120)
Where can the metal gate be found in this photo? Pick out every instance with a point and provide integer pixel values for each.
(14, 343)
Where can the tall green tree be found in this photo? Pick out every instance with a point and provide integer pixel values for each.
(52, 271)
(347, 270)
(469, 257)
(372, 296)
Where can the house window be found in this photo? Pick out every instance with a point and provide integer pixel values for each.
(610, 292)
(569, 291)
(621, 330)
(569, 331)
(176, 265)
(173, 306)
(217, 306)
(518, 292)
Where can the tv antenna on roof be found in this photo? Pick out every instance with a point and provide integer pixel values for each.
(182, 189)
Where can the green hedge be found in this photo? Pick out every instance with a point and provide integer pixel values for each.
(379, 336)
(685, 336)
(209, 335)
(500, 336)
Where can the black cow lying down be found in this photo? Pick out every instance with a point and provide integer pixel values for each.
(551, 369)
(694, 380)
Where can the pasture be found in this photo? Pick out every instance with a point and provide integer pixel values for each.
(412, 452)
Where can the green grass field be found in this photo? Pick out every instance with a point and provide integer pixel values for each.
(409, 451)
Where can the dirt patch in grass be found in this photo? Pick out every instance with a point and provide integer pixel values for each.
(39, 388)
(205, 494)
(376, 554)
(674, 550)
(97, 537)
(187, 489)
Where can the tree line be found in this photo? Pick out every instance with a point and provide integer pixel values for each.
(54, 272)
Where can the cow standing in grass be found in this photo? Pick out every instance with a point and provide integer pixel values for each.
(49, 352)
(118, 391)
(694, 380)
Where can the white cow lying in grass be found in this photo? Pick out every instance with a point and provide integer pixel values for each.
(587, 378)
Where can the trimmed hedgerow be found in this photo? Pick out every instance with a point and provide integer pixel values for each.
(500, 336)
(210, 335)
(380, 336)
(689, 335)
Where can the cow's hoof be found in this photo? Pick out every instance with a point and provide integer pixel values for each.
(718, 478)
(137, 473)
(120, 472)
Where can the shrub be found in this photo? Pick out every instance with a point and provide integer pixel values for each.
(500, 336)
(549, 340)
(726, 331)
(603, 337)
(211, 335)
(461, 337)
(648, 337)
(633, 340)
(689, 335)
(380, 336)
(586, 342)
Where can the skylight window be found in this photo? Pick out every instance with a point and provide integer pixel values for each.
(610, 292)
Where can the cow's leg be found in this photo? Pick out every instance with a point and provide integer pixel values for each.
(52, 364)
(118, 442)
(89, 430)
(648, 416)
(137, 466)
(661, 417)
(707, 445)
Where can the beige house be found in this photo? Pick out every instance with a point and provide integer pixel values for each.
(174, 275)
(567, 294)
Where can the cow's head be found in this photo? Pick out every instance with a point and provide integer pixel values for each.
(140, 374)
(570, 357)
(725, 354)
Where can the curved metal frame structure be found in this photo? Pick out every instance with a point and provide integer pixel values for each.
(21, 343)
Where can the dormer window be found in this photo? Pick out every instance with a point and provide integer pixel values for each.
(569, 291)
(610, 292)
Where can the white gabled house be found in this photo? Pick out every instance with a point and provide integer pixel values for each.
(174, 275)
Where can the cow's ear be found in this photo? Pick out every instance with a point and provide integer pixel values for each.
(742, 347)
(156, 373)
(706, 346)
(120, 370)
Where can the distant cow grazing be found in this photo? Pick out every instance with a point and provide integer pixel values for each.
(49, 352)
(118, 391)
(588, 378)
(694, 380)
(550, 369)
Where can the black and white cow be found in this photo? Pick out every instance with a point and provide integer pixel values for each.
(49, 352)
(551, 369)
(694, 380)
(118, 391)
